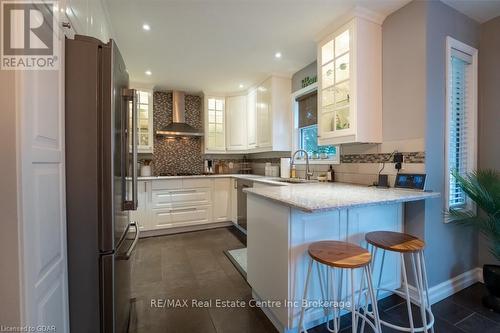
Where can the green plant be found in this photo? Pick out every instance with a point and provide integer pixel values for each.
(482, 187)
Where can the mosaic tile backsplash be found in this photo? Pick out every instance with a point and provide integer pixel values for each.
(176, 155)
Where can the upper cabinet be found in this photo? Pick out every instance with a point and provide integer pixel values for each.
(215, 124)
(263, 113)
(145, 121)
(350, 84)
(88, 17)
(251, 119)
(270, 116)
(236, 127)
(258, 121)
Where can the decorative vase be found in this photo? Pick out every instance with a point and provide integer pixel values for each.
(491, 276)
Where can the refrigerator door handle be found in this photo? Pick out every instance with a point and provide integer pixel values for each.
(126, 255)
(129, 95)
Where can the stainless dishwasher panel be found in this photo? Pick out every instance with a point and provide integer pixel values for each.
(242, 201)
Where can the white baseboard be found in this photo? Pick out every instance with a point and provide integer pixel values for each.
(449, 287)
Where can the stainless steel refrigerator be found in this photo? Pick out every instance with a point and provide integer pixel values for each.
(101, 185)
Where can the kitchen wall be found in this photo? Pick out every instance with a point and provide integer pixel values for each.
(451, 248)
(489, 109)
(308, 71)
(177, 155)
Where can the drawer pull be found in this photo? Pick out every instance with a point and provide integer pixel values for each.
(184, 191)
(183, 210)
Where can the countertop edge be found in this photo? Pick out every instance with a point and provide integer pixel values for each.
(418, 196)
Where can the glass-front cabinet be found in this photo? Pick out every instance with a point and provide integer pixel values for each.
(215, 123)
(145, 121)
(350, 85)
(145, 129)
(335, 84)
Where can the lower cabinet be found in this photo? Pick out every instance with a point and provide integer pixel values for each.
(164, 204)
(222, 199)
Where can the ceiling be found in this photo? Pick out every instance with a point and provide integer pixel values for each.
(223, 46)
(479, 10)
(218, 45)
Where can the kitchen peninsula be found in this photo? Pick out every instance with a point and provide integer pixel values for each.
(284, 220)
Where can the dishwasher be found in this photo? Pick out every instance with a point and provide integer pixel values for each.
(242, 202)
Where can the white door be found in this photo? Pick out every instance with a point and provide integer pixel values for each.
(40, 107)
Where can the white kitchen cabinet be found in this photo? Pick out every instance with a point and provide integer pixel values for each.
(259, 121)
(77, 12)
(234, 201)
(88, 17)
(215, 124)
(264, 121)
(221, 199)
(274, 116)
(236, 126)
(350, 84)
(183, 202)
(252, 119)
(145, 121)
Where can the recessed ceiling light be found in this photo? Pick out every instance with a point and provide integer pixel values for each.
(277, 55)
(146, 27)
(148, 73)
(241, 85)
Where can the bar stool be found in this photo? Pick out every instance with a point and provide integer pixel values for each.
(405, 244)
(342, 256)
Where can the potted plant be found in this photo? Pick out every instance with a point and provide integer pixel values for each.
(483, 187)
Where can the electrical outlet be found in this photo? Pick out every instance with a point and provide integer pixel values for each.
(398, 160)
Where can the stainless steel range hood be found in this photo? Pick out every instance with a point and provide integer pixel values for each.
(178, 127)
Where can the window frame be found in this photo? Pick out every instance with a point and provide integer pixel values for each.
(296, 137)
(471, 114)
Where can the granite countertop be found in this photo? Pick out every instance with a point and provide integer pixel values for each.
(331, 196)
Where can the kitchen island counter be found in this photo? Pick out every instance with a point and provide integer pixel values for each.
(283, 221)
(316, 197)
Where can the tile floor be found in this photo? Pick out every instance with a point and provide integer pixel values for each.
(193, 265)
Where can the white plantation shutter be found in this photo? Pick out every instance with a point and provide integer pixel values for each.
(461, 119)
(457, 150)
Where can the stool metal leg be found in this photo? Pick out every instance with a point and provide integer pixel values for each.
(374, 301)
(303, 310)
(408, 302)
(423, 305)
(353, 304)
(418, 286)
(379, 282)
(426, 288)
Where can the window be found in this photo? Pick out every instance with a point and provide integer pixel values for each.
(461, 119)
(308, 131)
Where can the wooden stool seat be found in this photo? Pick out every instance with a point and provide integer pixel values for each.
(339, 254)
(395, 241)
